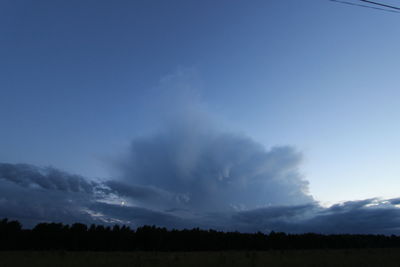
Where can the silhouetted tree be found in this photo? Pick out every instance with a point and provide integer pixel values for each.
(57, 236)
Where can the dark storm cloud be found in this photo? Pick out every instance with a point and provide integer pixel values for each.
(395, 201)
(364, 220)
(146, 196)
(24, 197)
(34, 194)
(47, 178)
(274, 218)
(350, 205)
(215, 171)
(374, 217)
(364, 216)
(274, 213)
(136, 192)
(33, 205)
(137, 216)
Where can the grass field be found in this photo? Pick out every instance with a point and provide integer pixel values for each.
(365, 257)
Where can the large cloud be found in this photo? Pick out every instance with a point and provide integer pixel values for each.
(211, 171)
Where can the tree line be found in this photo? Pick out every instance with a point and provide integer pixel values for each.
(80, 237)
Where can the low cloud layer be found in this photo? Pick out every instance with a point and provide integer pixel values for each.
(31, 195)
(30, 176)
(362, 217)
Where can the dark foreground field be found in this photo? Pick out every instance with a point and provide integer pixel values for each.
(362, 257)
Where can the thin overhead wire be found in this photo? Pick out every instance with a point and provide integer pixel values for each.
(380, 4)
(365, 6)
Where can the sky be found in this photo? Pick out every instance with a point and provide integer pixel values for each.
(210, 113)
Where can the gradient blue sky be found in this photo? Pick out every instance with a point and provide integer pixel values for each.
(80, 79)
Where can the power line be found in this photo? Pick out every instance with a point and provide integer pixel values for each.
(365, 6)
(380, 4)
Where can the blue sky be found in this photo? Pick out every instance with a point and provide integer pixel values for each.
(79, 80)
